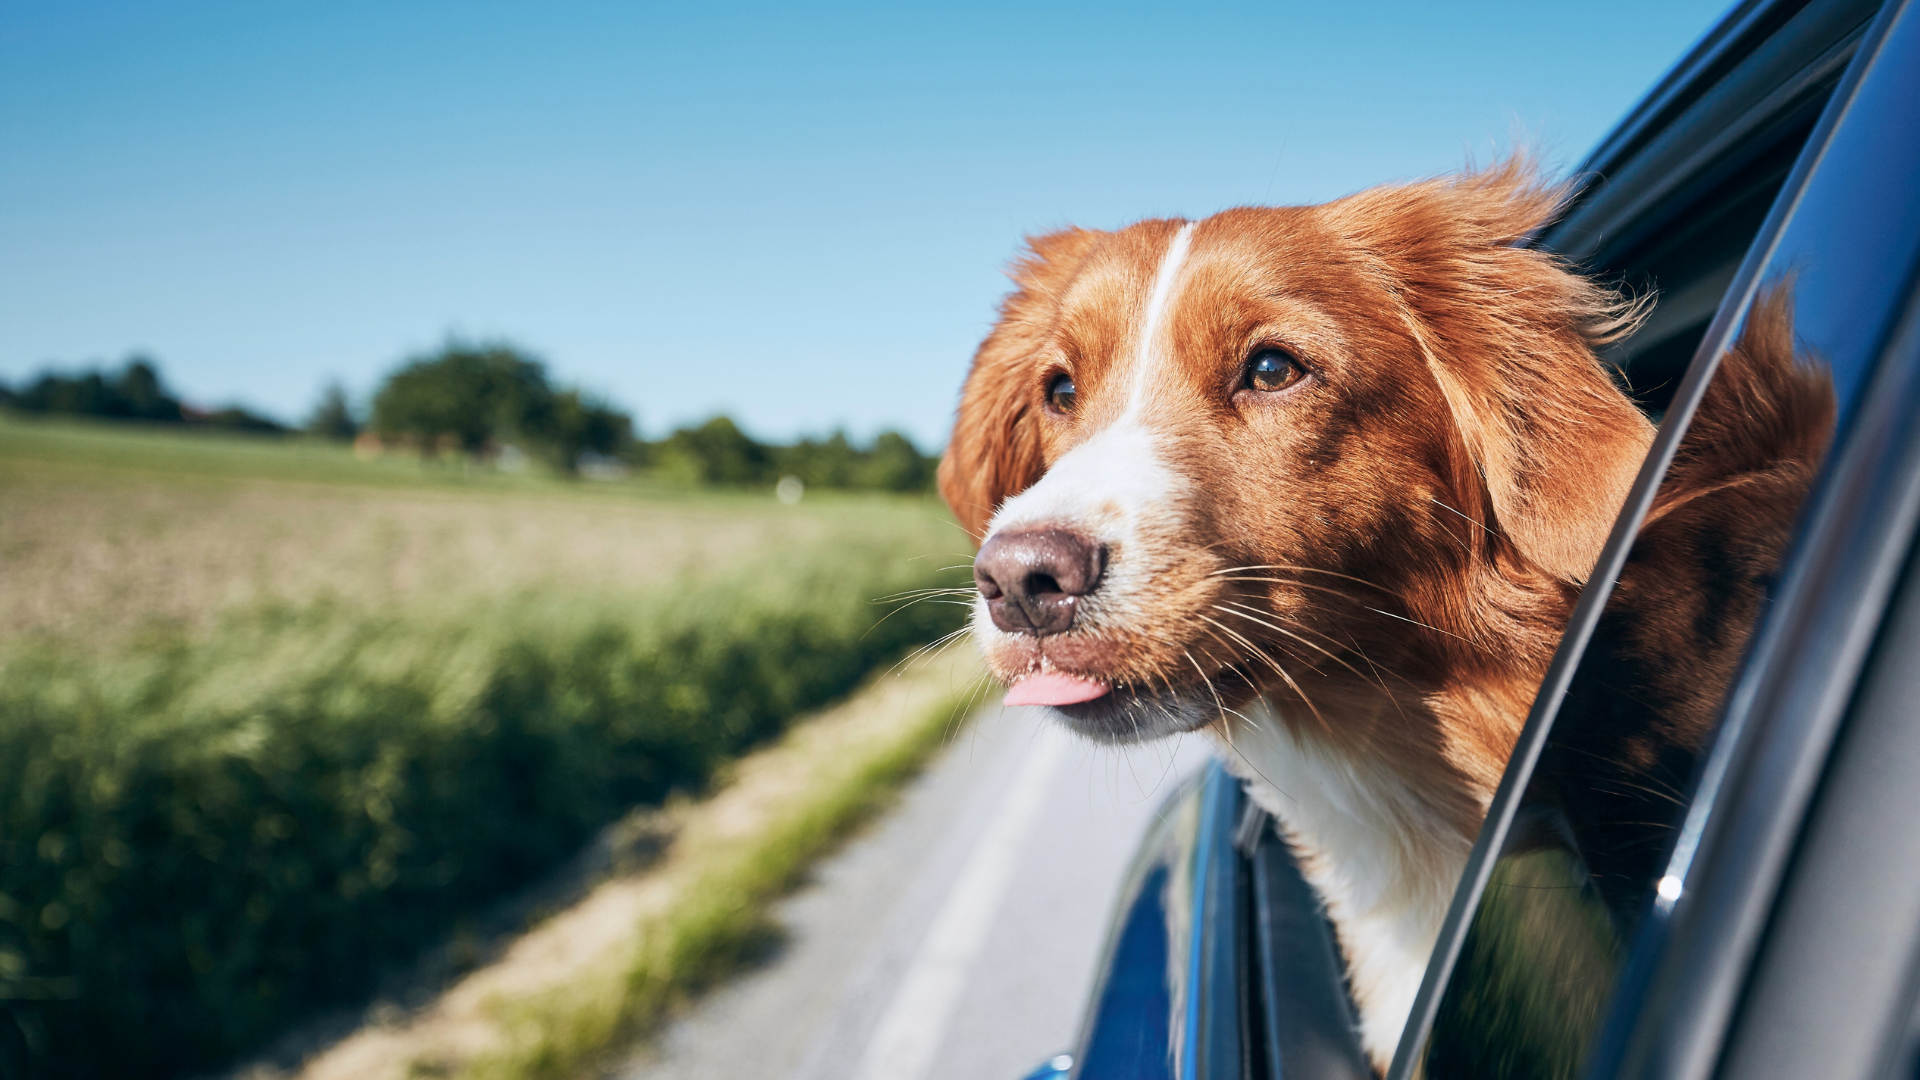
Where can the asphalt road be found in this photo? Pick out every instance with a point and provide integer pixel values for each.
(956, 938)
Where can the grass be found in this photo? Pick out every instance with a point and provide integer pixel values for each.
(106, 530)
(725, 878)
(271, 717)
(174, 451)
(573, 993)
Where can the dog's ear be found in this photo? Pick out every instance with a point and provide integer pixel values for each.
(1508, 333)
(995, 451)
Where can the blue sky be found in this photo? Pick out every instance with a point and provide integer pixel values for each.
(797, 216)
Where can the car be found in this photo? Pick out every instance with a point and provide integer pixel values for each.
(1744, 900)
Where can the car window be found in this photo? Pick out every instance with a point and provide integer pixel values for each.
(1584, 856)
(1580, 863)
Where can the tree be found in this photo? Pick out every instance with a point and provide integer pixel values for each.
(136, 393)
(482, 397)
(716, 452)
(333, 417)
(830, 463)
(477, 394)
(584, 425)
(895, 464)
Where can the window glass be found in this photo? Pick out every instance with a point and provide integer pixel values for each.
(1578, 869)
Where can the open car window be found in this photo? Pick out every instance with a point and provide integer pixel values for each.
(1544, 969)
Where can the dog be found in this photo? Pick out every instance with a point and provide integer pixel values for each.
(1320, 481)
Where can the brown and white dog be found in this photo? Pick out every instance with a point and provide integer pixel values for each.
(1321, 481)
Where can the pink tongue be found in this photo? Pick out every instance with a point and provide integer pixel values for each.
(1053, 688)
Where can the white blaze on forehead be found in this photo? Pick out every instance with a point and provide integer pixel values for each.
(1103, 485)
(1148, 357)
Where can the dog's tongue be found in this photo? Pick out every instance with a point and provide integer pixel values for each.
(1053, 688)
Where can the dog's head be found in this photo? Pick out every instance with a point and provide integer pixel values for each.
(1285, 449)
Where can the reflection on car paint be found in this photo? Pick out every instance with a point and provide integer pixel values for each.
(1057, 1067)
(1131, 1030)
(1125, 1041)
(1167, 1001)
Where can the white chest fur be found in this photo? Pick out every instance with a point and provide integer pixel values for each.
(1384, 861)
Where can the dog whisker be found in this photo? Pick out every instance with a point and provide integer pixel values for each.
(1378, 679)
(1464, 546)
(1298, 585)
(1303, 570)
(1227, 735)
(1287, 649)
(976, 690)
(1375, 610)
(1228, 609)
(930, 648)
(921, 593)
(926, 596)
(1245, 644)
(1644, 789)
(1282, 672)
(1476, 524)
(1349, 644)
(1435, 629)
(1208, 683)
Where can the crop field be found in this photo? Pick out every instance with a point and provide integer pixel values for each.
(271, 717)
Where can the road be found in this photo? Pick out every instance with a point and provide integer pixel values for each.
(956, 938)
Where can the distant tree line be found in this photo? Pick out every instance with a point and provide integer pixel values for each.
(718, 452)
(476, 399)
(491, 401)
(135, 392)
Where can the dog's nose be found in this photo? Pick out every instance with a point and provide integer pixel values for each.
(1032, 581)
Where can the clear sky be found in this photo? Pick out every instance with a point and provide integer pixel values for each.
(797, 216)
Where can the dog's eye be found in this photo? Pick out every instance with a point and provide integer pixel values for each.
(1060, 393)
(1273, 369)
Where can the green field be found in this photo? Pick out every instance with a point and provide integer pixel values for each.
(272, 717)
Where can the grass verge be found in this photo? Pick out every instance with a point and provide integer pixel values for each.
(721, 921)
(581, 987)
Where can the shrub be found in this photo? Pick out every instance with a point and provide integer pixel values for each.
(202, 839)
